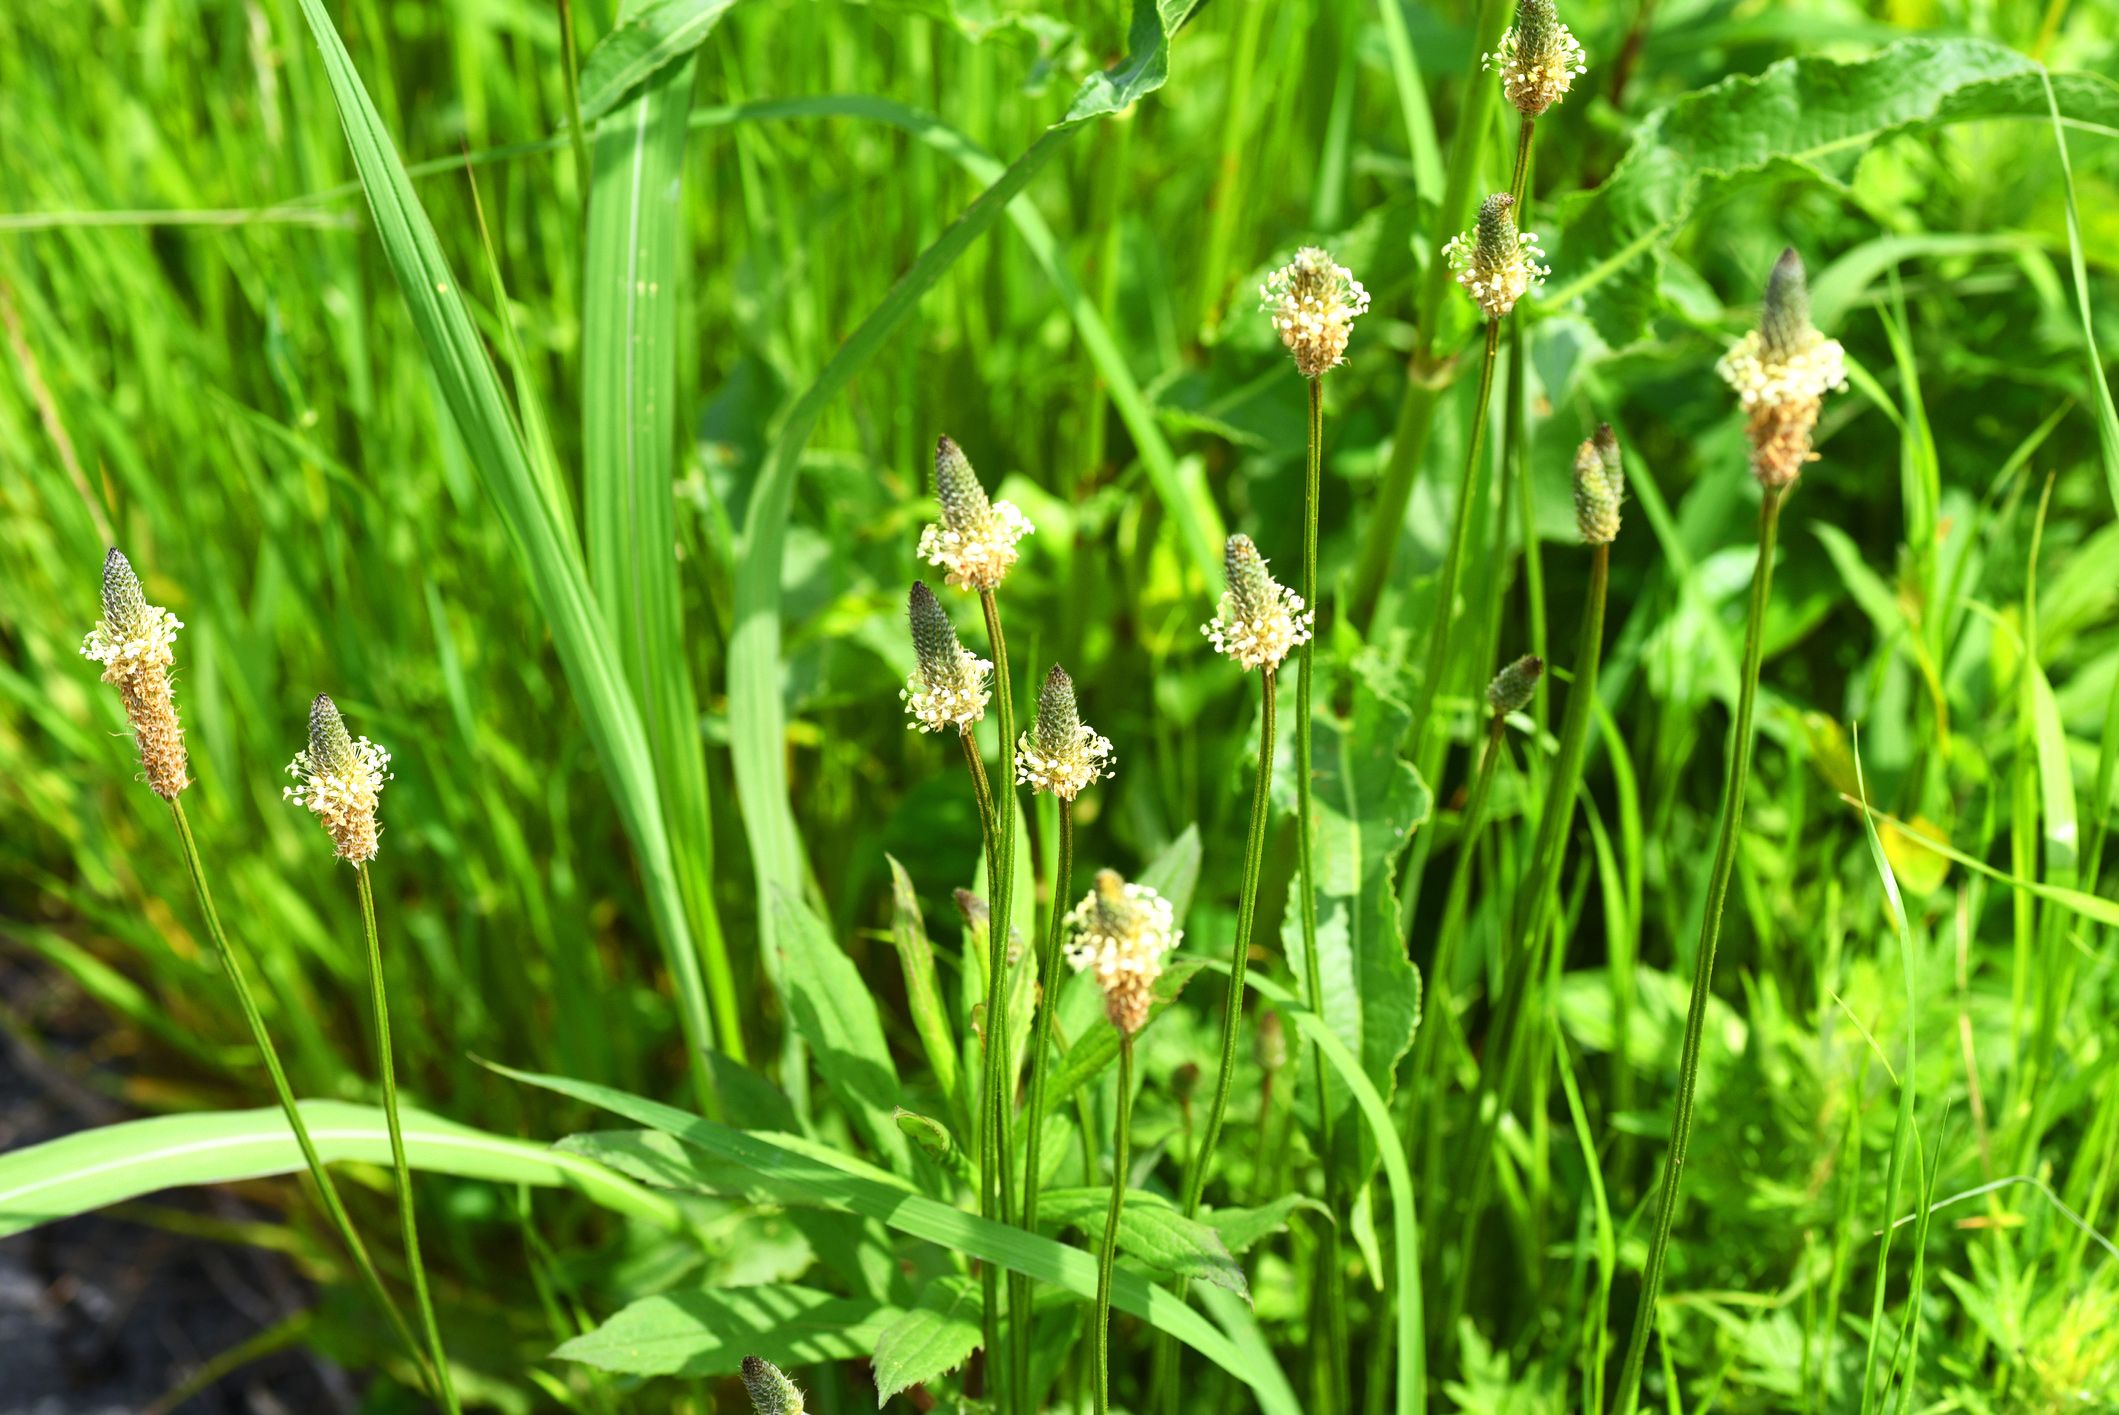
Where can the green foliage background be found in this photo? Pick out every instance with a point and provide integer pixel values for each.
(618, 767)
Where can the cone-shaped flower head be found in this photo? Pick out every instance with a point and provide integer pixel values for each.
(948, 683)
(1512, 686)
(975, 540)
(1060, 753)
(340, 778)
(1121, 931)
(1600, 485)
(1538, 60)
(1314, 302)
(1781, 372)
(1260, 620)
(136, 642)
(771, 1392)
(1495, 263)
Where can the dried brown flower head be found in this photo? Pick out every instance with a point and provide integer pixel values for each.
(1781, 372)
(1120, 932)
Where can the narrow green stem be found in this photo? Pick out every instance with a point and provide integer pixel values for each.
(327, 1189)
(1246, 916)
(989, 1275)
(577, 131)
(1519, 180)
(408, 1222)
(1453, 559)
(1107, 1257)
(1627, 1393)
(999, 1108)
(1333, 1290)
(1048, 1005)
(1444, 964)
(1533, 912)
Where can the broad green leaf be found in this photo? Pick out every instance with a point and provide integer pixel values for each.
(1174, 874)
(929, 1340)
(818, 1175)
(836, 1014)
(923, 991)
(647, 40)
(757, 716)
(1368, 801)
(709, 1333)
(543, 543)
(112, 1163)
(1798, 116)
(632, 279)
(1151, 1229)
(1241, 1229)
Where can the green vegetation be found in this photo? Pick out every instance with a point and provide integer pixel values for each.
(558, 387)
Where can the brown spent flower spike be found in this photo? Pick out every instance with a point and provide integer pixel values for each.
(974, 542)
(1539, 59)
(1120, 932)
(1314, 301)
(136, 643)
(1600, 487)
(340, 778)
(1781, 372)
(1512, 686)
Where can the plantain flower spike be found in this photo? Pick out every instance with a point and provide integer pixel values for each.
(947, 687)
(1496, 264)
(1121, 931)
(974, 542)
(135, 642)
(1600, 485)
(1781, 372)
(1512, 686)
(1539, 59)
(1060, 753)
(1314, 302)
(340, 779)
(1260, 620)
(771, 1392)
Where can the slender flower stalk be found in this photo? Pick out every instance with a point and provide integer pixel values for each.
(135, 642)
(1508, 693)
(1259, 622)
(975, 543)
(949, 688)
(1120, 933)
(1496, 265)
(340, 781)
(1599, 490)
(1064, 756)
(1781, 372)
(1314, 302)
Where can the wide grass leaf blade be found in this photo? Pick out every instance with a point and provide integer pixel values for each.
(646, 41)
(113, 1163)
(546, 547)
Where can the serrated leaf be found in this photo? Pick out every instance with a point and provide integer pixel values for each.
(1368, 801)
(709, 1333)
(1796, 116)
(1151, 1229)
(929, 1340)
(836, 1015)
